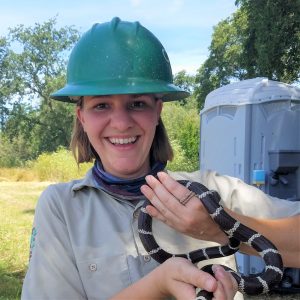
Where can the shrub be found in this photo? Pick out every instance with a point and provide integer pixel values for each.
(59, 166)
(15, 152)
(180, 161)
(183, 127)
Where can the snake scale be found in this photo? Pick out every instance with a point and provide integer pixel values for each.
(237, 233)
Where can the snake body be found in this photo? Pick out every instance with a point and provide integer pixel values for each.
(237, 233)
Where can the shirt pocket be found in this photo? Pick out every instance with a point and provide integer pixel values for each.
(104, 277)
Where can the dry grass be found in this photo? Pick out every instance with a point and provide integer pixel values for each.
(18, 174)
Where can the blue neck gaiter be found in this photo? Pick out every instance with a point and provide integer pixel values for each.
(120, 186)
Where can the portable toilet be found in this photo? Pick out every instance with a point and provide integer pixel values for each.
(251, 130)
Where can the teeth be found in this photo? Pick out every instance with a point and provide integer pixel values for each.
(123, 141)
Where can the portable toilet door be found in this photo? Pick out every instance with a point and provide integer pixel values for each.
(250, 130)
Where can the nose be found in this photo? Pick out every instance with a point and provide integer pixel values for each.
(121, 119)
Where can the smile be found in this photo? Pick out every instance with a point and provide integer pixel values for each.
(120, 141)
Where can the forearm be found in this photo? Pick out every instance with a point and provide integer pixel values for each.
(283, 233)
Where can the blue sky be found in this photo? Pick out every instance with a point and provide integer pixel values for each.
(183, 26)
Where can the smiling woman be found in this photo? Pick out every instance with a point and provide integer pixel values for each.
(121, 130)
(86, 237)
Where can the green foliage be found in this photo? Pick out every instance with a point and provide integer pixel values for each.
(182, 124)
(186, 82)
(42, 56)
(225, 59)
(14, 152)
(54, 126)
(261, 39)
(273, 38)
(59, 166)
(4, 90)
(180, 162)
(31, 74)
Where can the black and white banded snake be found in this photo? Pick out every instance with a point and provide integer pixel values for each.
(237, 233)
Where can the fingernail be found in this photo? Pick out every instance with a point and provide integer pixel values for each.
(149, 179)
(219, 269)
(215, 268)
(161, 174)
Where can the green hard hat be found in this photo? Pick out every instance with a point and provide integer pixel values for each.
(119, 57)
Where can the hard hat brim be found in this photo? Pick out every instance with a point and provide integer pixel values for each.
(168, 92)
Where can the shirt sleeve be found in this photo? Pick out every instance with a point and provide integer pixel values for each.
(246, 199)
(52, 271)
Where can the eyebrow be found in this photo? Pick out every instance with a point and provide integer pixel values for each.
(133, 95)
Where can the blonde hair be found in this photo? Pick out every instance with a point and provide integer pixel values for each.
(161, 149)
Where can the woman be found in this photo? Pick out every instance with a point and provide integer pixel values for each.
(85, 242)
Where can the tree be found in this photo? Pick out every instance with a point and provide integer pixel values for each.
(225, 59)
(36, 67)
(42, 57)
(186, 82)
(261, 39)
(4, 93)
(273, 43)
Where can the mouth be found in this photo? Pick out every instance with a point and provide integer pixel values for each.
(123, 141)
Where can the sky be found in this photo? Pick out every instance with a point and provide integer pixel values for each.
(184, 27)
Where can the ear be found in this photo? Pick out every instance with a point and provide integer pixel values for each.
(159, 106)
(80, 115)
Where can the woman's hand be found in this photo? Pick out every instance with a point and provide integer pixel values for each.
(179, 278)
(192, 218)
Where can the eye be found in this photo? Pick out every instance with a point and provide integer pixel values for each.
(101, 106)
(138, 105)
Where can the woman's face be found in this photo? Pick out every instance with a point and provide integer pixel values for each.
(121, 129)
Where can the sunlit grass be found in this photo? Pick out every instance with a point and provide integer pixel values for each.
(17, 204)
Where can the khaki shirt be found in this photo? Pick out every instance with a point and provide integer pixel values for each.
(85, 243)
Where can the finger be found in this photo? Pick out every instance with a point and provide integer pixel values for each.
(158, 210)
(154, 213)
(219, 293)
(198, 278)
(161, 198)
(187, 276)
(227, 284)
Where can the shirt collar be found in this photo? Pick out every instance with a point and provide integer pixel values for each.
(87, 181)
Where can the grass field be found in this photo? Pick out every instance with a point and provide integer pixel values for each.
(17, 204)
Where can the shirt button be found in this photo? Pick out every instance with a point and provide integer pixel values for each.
(136, 214)
(93, 267)
(147, 258)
